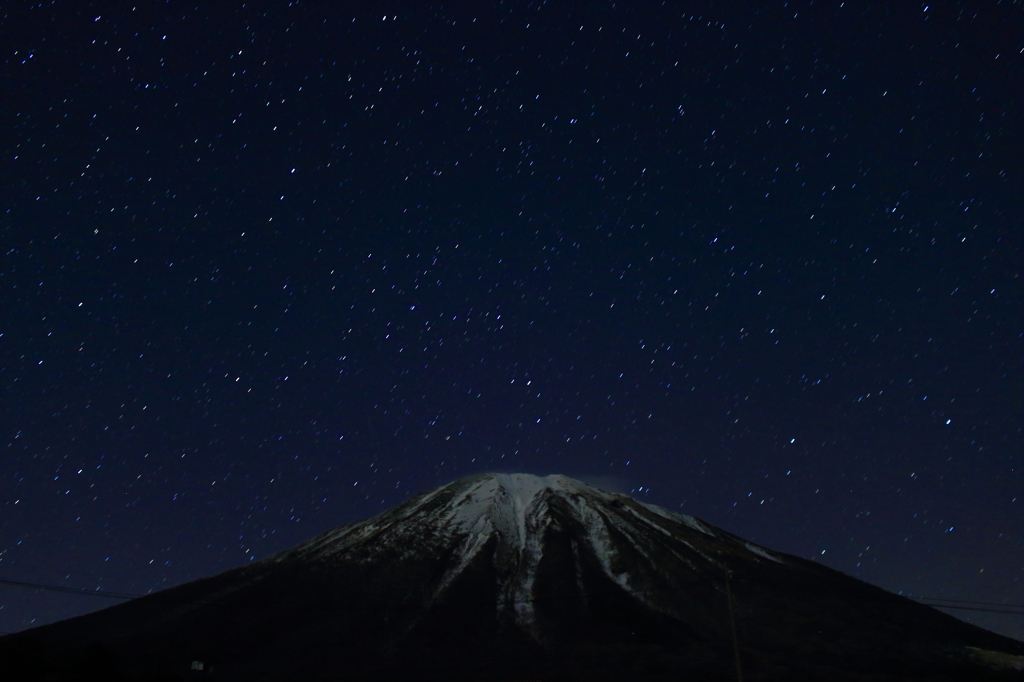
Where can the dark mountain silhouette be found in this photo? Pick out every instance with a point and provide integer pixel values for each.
(516, 577)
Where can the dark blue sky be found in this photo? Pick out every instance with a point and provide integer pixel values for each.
(269, 268)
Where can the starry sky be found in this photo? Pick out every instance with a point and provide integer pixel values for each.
(267, 268)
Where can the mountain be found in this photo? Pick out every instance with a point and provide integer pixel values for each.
(518, 577)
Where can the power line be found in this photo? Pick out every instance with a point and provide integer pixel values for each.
(884, 595)
(975, 608)
(961, 604)
(963, 601)
(71, 590)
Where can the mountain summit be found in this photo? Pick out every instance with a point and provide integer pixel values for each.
(513, 576)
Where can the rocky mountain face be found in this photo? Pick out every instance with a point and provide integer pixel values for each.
(518, 577)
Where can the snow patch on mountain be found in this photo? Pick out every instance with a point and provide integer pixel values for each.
(516, 508)
(689, 521)
(670, 534)
(762, 552)
(599, 539)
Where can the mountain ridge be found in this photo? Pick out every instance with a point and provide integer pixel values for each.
(503, 575)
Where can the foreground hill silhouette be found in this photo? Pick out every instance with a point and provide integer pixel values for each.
(517, 577)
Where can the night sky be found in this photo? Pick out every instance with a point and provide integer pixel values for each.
(270, 268)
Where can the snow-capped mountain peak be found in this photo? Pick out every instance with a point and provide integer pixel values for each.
(513, 576)
(513, 518)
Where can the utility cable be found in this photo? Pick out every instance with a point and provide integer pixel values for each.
(124, 596)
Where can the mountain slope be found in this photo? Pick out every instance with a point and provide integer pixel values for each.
(512, 576)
